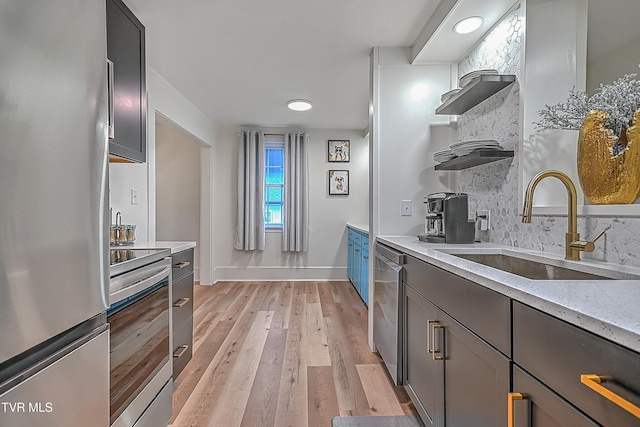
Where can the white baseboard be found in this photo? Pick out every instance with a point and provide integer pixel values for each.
(244, 274)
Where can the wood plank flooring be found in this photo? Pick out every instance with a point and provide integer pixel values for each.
(281, 354)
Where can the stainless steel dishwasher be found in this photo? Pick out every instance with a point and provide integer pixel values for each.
(387, 309)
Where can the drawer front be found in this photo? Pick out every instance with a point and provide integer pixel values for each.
(181, 354)
(541, 407)
(483, 311)
(558, 353)
(182, 301)
(365, 242)
(357, 239)
(182, 264)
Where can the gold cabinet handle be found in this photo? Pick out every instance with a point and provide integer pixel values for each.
(180, 351)
(433, 341)
(182, 264)
(512, 397)
(181, 302)
(594, 381)
(429, 322)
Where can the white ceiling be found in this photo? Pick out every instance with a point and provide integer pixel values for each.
(240, 61)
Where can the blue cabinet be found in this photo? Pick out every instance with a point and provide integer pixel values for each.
(350, 255)
(364, 276)
(358, 262)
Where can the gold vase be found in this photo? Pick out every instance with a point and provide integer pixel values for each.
(608, 166)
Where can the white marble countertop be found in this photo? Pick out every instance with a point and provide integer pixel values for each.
(174, 246)
(359, 227)
(608, 308)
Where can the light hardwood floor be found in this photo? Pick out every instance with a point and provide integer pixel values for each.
(282, 354)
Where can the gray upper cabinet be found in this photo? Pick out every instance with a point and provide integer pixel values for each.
(126, 49)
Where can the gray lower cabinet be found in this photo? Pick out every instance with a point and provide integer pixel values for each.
(535, 405)
(485, 312)
(424, 380)
(454, 377)
(474, 357)
(598, 377)
(476, 379)
(182, 310)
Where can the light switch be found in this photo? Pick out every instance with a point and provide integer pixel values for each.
(406, 208)
(134, 196)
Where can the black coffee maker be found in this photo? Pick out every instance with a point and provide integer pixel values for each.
(447, 219)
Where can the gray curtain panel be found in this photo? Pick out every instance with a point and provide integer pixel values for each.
(295, 232)
(250, 234)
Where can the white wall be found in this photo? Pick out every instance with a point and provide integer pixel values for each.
(555, 54)
(613, 65)
(406, 135)
(162, 97)
(122, 178)
(496, 183)
(178, 188)
(326, 258)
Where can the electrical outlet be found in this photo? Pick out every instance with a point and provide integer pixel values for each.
(406, 208)
(485, 219)
(134, 196)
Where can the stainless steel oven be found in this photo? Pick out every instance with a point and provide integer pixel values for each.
(139, 318)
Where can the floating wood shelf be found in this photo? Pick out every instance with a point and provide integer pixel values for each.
(480, 88)
(475, 158)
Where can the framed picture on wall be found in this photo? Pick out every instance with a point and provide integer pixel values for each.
(339, 150)
(338, 183)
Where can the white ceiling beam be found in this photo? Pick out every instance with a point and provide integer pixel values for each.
(434, 22)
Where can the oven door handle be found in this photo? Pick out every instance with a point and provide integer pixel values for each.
(141, 285)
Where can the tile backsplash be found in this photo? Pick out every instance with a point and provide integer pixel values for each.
(496, 184)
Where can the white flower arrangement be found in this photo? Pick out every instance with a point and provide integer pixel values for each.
(620, 100)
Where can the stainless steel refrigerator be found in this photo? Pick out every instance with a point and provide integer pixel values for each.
(54, 368)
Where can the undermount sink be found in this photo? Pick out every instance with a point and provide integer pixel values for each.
(529, 269)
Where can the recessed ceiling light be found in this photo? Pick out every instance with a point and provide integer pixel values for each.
(299, 105)
(468, 25)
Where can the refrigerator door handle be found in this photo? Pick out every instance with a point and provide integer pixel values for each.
(105, 218)
(110, 89)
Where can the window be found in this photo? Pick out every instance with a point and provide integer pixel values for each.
(274, 182)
